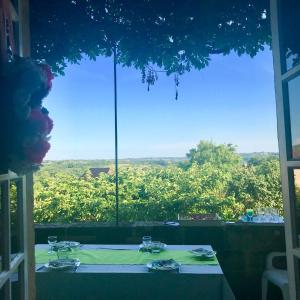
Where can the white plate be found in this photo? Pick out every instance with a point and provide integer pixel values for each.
(69, 264)
(163, 265)
(163, 246)
(172, 223)
(204, 253)
(70, 244)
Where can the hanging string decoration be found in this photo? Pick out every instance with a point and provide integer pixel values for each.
(150, 76)
(176, 81)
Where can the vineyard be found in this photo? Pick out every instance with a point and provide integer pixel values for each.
(213, 179)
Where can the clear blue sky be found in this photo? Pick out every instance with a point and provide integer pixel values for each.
(231, 101)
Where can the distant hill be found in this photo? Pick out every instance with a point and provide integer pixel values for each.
(107, 162)
(79, 166)
(247, 156)
(152, 160)
(100, 163)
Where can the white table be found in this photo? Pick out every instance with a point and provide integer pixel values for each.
(97, 282)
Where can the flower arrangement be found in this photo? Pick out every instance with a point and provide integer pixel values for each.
(27, 83)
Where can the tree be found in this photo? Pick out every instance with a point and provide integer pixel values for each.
(173, 35)
(151, 192)
(218, 155)
(258, 183)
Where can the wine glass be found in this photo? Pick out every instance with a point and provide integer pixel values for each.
(249, 213)
(268, 214)
(52, 240)
(63, 252)
(274, 215)
(156, 247)
(147, 240)
(261, 214)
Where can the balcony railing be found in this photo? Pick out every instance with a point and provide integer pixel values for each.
(241, 248)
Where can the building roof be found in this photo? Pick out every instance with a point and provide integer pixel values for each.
(95, 172)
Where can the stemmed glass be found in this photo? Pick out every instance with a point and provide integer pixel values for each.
(249, 213)
(63, 252)
(268, 214)
(261, 214)
(52, 240)
(147, 242)
(155, 247)
(274, 215)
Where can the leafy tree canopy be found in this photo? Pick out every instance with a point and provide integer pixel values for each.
(155, 193)
(218, 155)
(173, 35)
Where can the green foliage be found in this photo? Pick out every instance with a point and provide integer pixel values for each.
(173, 35)
(258, 184)
(73, 167)
(13, 205)
(218, 155)
(296, 150)
(297, 192)
(67, 198)
(221, 183)
(297, 188)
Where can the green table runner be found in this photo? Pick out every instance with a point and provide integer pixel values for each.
(125, 257)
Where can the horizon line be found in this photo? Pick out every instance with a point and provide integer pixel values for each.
(153, 157)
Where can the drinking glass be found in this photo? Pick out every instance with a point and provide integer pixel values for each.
(274, 215)
(249, 213)
(147, 241)
(155, 247)
(52, 240)
(268, 214)
(63, 252)
(261, 214)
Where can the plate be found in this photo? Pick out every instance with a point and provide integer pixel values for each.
(204, 253)
(70, 244)
(62, 264)
(161, 247)
(246, 220)
(163, 265)
(172, 223)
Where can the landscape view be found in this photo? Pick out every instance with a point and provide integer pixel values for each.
(211, 179)
(211, 150)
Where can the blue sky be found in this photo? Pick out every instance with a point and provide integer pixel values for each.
(231, 101)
